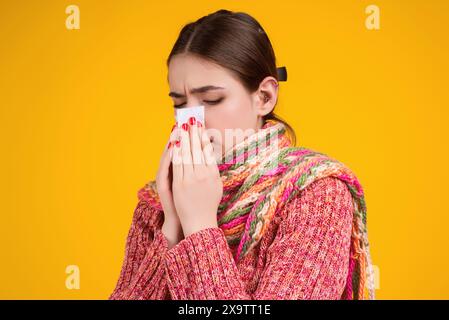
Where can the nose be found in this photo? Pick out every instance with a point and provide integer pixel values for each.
(192, 102)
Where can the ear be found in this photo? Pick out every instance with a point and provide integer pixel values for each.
(265, 97)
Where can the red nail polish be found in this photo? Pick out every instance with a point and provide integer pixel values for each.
(177, 143)
(199, 124)
(185, 126)
(192, 121)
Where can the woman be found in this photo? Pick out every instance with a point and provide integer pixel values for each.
(257, 219)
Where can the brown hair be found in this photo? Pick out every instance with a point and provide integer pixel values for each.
(237, 42)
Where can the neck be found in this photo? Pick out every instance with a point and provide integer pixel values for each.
(268, 139)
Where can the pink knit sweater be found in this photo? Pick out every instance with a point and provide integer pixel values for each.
(303, 255)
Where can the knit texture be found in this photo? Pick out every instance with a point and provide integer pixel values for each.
(261, 176)
(304, 255)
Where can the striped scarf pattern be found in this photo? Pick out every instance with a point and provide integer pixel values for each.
(260, 175)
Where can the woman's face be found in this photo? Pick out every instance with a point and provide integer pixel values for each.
(231, 112)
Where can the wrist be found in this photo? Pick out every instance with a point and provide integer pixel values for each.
(172, 232)
(192, 228)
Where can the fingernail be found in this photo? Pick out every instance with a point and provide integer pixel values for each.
(185, 126)
(192, 121)
(177, 143)
(169, 145)
(199, 124)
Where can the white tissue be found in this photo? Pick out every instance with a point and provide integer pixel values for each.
(183, 114)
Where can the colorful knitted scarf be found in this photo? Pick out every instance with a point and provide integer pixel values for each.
(260, 175)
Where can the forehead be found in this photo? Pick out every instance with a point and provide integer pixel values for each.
(188, 71)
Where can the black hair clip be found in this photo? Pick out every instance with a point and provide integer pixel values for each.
(282, 73)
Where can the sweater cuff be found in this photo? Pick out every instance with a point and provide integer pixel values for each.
(201, 267)
(149, 282)
(160, 240)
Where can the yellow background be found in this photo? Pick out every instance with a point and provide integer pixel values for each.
(85, 115)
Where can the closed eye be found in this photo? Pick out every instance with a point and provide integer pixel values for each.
(211, 102)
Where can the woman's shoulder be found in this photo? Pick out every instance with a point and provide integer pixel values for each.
(330, 188)
(326, 199)
(328, 191)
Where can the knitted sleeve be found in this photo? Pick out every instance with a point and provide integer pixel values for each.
(308, 258)
(142, 276)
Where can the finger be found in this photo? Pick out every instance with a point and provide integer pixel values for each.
(164, 174)
(166, 154)
(186, 154)
(208, 149)
(195, 143)
(174, 130)
(165, 161)
(201, 133)
(171, 139)
(177, 168)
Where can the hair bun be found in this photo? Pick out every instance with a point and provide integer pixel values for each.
(282, 73)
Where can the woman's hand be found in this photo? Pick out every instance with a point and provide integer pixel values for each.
(172, 227)
(197, 185)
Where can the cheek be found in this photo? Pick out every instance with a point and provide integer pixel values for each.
(233, 113)
(237, 114)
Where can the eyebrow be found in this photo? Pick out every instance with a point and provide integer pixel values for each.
(195, 90)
